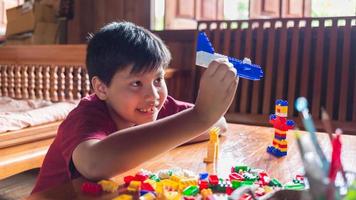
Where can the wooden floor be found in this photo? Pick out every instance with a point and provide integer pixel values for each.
(18, 186)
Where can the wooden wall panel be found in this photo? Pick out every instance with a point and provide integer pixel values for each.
(181, 43)
(304, 57)
(91, 15)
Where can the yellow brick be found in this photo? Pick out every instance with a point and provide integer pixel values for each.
(123, 197)
(187, 182)
(171, 195)
(134, 186)
(283, 133)
(205, 193)
(176, 178)
(108, 185)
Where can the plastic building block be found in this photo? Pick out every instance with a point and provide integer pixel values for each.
(147, 186)
(171, 195)
(236, 176)
(213, 179)
(240, 168)
(191, 190)
(206, 54)
(281, 126)
(203, 184)
(274, 182)
(91, 188)
(205, 193)
(187, 182)
(128, 179)
(246, 197)
(249, 177)
(294, 186)
(108, 185)
(148, 196)
(155, 177)
(123, 197)
(203, 175)
(213, 145)
(134, 186)
(189, 198)
(140, 177)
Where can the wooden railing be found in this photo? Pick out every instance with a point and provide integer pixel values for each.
(55, 73)
(311, 57)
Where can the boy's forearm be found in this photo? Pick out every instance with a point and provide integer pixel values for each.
(221, 124)
(156, 137)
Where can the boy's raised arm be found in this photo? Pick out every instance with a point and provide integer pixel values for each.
(125, 149)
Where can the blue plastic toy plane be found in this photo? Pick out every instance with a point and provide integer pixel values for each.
(206, 54)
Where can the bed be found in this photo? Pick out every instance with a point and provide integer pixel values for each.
(50, 78)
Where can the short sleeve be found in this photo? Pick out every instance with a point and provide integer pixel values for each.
(81, 126)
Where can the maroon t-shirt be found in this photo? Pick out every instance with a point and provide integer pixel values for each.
(89, 120)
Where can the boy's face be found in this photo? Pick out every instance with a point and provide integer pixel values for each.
(135, 99)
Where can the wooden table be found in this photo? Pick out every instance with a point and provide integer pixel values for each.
(242, 144)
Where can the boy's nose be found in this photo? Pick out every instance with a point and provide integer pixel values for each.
(152, 93)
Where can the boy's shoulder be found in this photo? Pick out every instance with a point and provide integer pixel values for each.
(172, 106)
(90, 110)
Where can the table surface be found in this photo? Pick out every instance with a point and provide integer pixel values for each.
(242, 144)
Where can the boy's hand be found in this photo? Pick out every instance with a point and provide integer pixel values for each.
(216, 91)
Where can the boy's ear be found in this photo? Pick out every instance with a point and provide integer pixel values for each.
(99, 88)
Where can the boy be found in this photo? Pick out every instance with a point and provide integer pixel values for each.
(115, 129)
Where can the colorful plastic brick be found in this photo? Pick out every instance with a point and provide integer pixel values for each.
(140, 177)
(281, 126)
(169, 184)
(264, 179)
(260, 192)
(274, 182)
(236, 176)
(134, 186)
(155, 177)
(249, 176)
(147, 186)
(171, 195)
(205, 193)
(191, 190)
(203, 175)
(236, 184)
(108, 185)
(213, 179)
(242, 168)
(203, 184)
(148, 196)
(91, 188)
(123, 197)
(128, 179)
(294, 186)
(246, 197)
(213, 146)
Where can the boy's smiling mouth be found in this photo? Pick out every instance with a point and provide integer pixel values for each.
(147, 110)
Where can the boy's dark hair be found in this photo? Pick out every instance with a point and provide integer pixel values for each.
(120, 44)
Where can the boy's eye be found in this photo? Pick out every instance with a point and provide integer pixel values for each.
(136, 84)
(158, 80)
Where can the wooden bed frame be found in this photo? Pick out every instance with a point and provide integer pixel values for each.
(51, 72)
